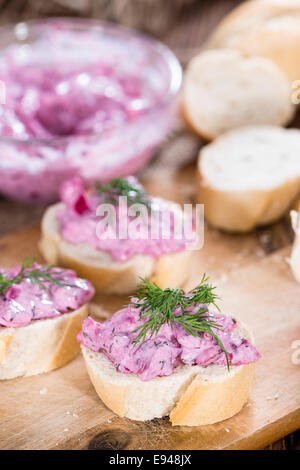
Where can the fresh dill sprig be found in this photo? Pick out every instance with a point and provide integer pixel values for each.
(117, 187)
(37, 275)
(159, 306)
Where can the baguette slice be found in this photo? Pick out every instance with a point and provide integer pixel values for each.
(249, 176)
(268, 28)
(106, 274)
(192, 395)
(223, 90)
(41, 346)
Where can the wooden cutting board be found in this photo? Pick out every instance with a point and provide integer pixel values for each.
(61, 410)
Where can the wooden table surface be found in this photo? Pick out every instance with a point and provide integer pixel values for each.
(61, 409)
(186, 38)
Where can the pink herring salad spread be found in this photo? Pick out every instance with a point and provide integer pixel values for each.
(67, 98)
(77, 99)
(26, 301)
(172, 346)
(78, 223)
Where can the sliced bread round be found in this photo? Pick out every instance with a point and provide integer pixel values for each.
(249, 176)
(269, 28)
(192, 395)
(106, 274)
(223, 90)
(41, 346)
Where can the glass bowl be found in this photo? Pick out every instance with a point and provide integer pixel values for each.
(33, 164)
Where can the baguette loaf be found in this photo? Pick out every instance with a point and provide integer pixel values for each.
(223, 90)
(269, 28)
(192, 395)
(249, 176)
(106, 274)
(41, 346)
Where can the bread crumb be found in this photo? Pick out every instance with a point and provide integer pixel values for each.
(227, 430)
(287, 259)
(274, 397)
(66, 430)
(44, 391)
(67, 412)
(75, 415)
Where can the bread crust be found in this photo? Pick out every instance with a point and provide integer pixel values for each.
(204, 135)
(248, 28)
(243, 210)
(4, 345)
(206, 402)
(114, 396)
(106, 274)
(41, 346)
(192, 395)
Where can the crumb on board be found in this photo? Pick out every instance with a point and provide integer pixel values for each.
(227, 430)
(44, 391)
(274, 397)
(75, 415)
(287, 259)
(223, 277)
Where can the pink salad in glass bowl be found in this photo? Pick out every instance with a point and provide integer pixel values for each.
(80, 98)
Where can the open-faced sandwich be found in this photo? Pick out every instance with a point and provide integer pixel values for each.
(168, 353)
(41, 313)
(90, 231)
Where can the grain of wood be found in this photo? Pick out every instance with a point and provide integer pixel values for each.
(70, 415)
(238, 264)
(61, 409)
